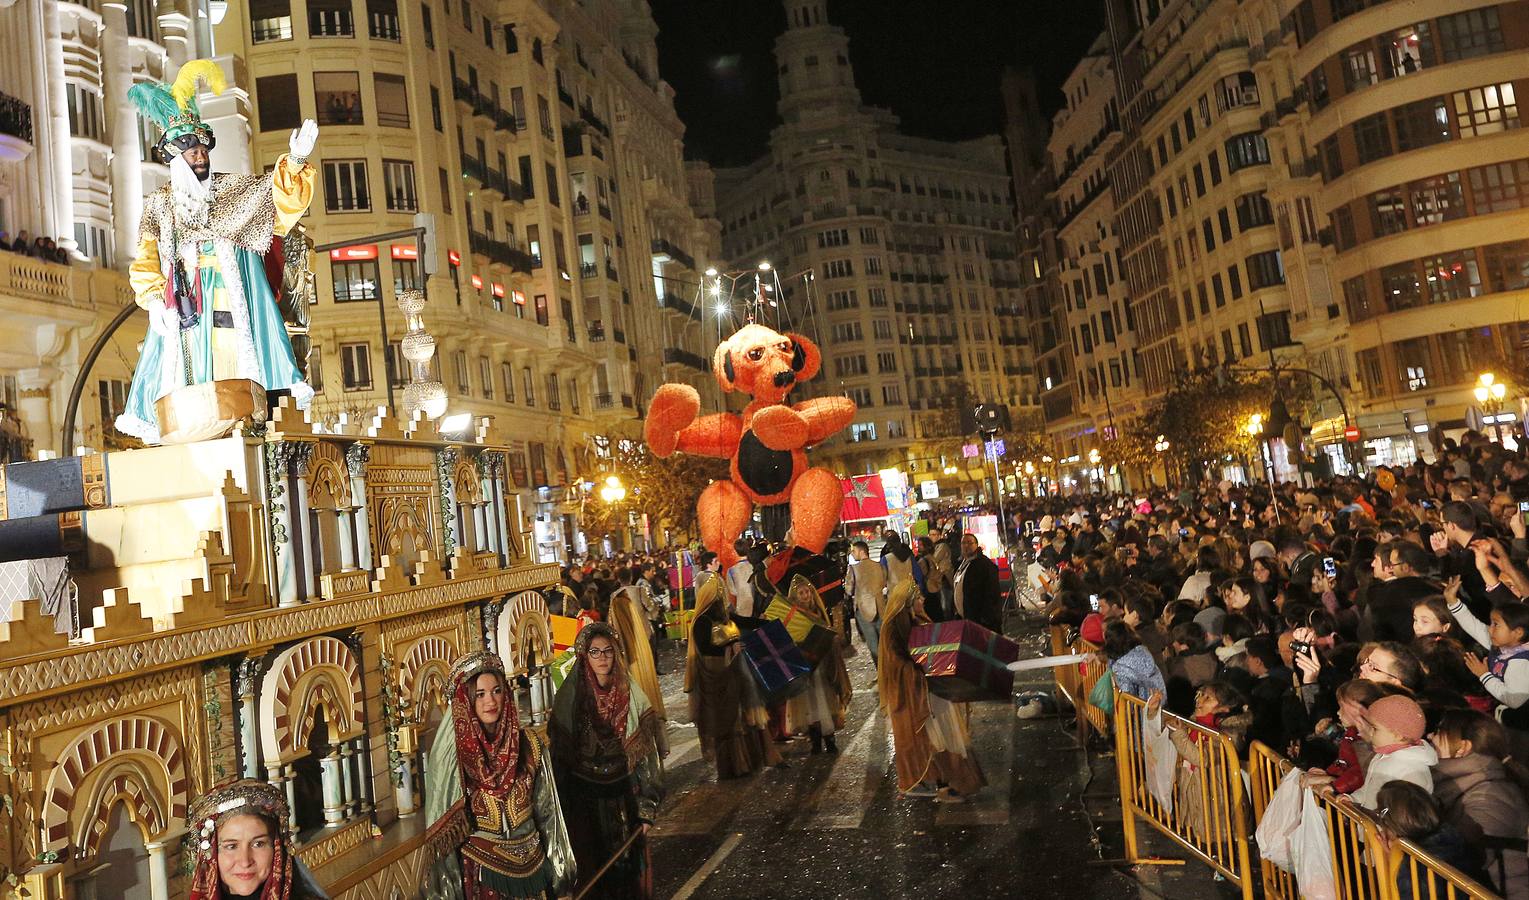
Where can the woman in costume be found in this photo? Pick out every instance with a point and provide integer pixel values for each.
(819, 710)
(490, 783)
(630, 620)
(933, 748)
(728, 721)
(243, 849)
(605, 754)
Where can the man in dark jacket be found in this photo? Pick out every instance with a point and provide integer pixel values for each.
(976, 584)
(1387, 614)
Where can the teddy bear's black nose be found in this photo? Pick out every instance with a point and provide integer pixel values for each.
(785, 378)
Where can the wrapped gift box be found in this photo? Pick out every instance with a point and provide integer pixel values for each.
(562, 664)
(825, 575)
(677, 624)
(813, 636)
(775, 661)
(564, 630)
(964, 661)
(50, 486)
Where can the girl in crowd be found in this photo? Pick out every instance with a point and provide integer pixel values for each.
(1480, 792)
(605, 752)
(243, 848)
(929, 736)
(819, 710)
(730, 726)
(489, 781)
(1408, 811)
(1131, 665)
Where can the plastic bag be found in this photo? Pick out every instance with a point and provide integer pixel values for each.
(1276, 830)
(1313, 853)
(1103, 694)
(1162, 759)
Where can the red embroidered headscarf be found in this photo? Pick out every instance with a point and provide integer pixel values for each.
(242, 798)
(605, 708)
(489, 763)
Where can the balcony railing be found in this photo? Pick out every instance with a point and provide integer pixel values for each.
(596, 334)
(15, 118)
(604, 401)
(681, 357)
(589, 269)
(502, 252)
(662, 248)
(678, 304)
(563, 95)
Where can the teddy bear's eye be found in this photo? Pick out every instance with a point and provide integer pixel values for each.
(756, 354)
(784, 346)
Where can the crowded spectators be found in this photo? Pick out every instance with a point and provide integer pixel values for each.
(1372, 629)
(42, 248)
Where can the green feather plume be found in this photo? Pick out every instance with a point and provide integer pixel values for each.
(154, 101)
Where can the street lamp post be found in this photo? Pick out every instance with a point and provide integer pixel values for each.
(1489, 393)
(1093, 468)
(1161, 446)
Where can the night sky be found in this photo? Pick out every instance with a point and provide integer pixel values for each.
(935, 63)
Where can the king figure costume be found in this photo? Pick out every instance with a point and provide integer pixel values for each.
(199, 270)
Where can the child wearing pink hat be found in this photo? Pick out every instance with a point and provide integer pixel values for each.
(1395, 726)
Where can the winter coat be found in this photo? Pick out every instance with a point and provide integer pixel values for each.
(1479, 799)
(1136, 673)
(1414, 764)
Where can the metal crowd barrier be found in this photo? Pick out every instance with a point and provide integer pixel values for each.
(1265, 771)
(1208, 815)
(1075, 682)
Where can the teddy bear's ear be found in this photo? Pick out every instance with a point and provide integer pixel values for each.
(805, 356)
(722, 367)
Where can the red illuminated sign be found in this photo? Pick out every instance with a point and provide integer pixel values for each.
(499, 290)
(477, 283)
(346, 254)
(519, 297)
(402, 252)
(454, 257)
(1351, 434)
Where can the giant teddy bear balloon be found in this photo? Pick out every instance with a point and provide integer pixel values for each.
(766, 444)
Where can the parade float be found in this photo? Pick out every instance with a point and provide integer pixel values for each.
(255, 596)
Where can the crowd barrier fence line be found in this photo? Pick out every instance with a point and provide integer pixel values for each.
(1215, 810)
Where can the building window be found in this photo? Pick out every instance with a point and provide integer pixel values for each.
(355, 280)
(541, 309)
(554, 394)
(356, 366)
(1359, 68)
(398, 181)
(1474, 33)
(1486, 110)
(1246, 150)
(1420, 124)
(337, 98)
(1452, 276)
(1388, 212)
(382, 19)
(1500, 187)
(407, 276)
(345, 187)
(397, 366)
(886, 361)
(270, 20)
(84, 111)
(1437, 199)
(552, 192)
(1400, 286)
(459, 366)
(1253, 211)
(528, 386)
(331, 18)
(507, 381)
(435, 108)
(1372, 138)
(1508, 265)
(1265, 270)
(862, 431)
(427, 24)
(891, 394)
(445, 190)
(838, 268)
(279, 106)
(392, 101)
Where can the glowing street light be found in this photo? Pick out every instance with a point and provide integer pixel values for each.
(613, 491)
(1489, 393)
(1255, 425)
(711, 272)
(764, 266)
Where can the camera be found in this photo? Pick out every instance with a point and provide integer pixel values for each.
(1523, 506)
(1329, 567)
(1299, 647)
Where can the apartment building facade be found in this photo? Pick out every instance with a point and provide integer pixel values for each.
(543, 142)
(896, 253)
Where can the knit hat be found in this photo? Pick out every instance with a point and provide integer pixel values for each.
(1400, 715)
(1261, 550)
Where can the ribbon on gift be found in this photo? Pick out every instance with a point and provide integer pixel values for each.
(775, 652)
(990, 657)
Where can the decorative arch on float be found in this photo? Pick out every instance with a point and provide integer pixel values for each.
(137, 760)
(423, 675)
(523, 626)
(319, 673)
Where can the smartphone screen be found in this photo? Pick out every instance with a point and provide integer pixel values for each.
(1523, 506)
(1329, 567)
(1093, 602)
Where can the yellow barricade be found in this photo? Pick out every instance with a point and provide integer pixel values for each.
(1428, 878)
(1093, 670)
(1265, 771)
(1208, 816)
(1076, 681)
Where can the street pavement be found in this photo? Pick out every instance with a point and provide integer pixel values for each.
(831, 825)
